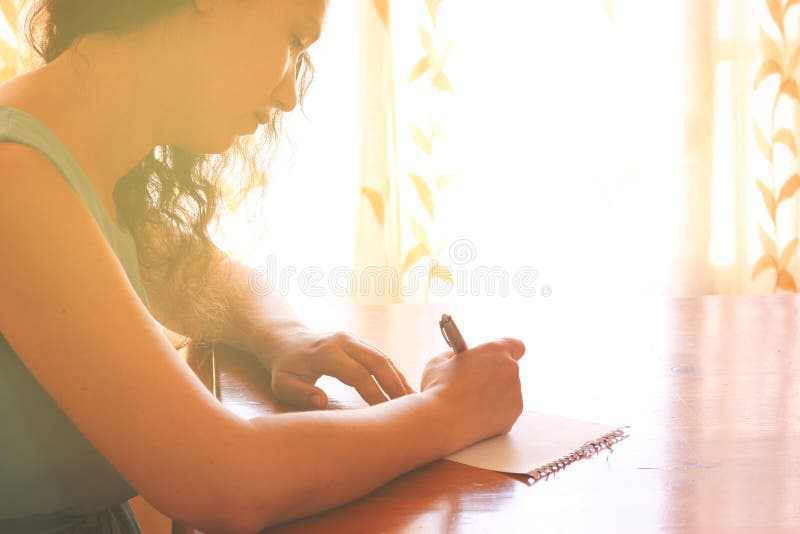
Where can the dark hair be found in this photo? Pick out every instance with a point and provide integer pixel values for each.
(170, 197)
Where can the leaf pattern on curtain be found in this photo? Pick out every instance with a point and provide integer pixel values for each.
(406, 210)
(377, 245)
(610, 7)
(775, 134)
(430, 71)
(378, 198)
(382, 7)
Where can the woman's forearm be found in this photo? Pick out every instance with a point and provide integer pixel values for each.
(257, 308)
(302, 463)
(245, 305)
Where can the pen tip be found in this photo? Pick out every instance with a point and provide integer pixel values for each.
(445, 317)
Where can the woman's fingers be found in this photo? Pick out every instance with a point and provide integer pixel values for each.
(342, 366)
(378, 365)
(515, 346)
(290, 389)
(403, 379)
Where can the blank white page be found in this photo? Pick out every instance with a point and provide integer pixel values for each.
(536, 440)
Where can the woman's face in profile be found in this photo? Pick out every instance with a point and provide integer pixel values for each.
(244, 66)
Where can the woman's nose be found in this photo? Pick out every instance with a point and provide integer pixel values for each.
(284, 97)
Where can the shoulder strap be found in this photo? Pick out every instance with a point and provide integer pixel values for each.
(21, 127)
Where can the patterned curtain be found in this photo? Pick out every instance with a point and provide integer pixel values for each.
(404, 163)
(378, 240)
(775, 127)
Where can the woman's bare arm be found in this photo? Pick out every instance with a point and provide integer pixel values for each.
(69, 312)
(248, 306)
(71, 315)
(251, 315)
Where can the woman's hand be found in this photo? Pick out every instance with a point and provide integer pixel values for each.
(298, 356)
(479, 387)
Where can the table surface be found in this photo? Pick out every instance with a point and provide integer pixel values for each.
(709, 387)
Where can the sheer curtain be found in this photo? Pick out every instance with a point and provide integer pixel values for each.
(576, 142)
(591, 147)
(533, 150)
(771, 154)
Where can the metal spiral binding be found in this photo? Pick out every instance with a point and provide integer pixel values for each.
(587, 450)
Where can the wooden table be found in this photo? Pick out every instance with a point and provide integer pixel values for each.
(709, 386)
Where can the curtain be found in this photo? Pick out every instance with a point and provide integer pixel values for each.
(406, 93)
(378, 239)
(459, 149)
(576, 139)
(607, 147)
(775, 111)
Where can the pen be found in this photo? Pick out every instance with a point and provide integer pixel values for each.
(451, 334)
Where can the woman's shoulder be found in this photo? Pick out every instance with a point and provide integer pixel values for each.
(15, 154)
(23, 116)
(32, 188)
(16, 99)
(21, 144)
(22, 164)
(18, 92)
(33, 161)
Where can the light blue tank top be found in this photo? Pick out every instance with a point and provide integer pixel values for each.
(50, 475)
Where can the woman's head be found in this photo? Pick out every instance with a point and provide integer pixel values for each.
(219, 65)
(249, 54)
(219, 62)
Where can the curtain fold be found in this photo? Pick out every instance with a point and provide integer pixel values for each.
(405, 91)
(693, 272)
(378, 242)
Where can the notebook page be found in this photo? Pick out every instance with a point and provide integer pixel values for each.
(535, 440)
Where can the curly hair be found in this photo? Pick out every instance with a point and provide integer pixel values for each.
(168, 199)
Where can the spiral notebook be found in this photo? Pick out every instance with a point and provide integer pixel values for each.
(540, 445)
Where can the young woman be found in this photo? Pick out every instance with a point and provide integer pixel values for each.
(109, 182)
